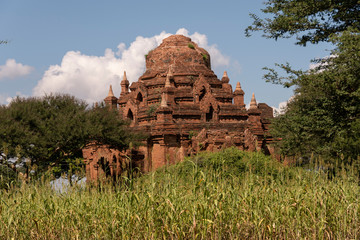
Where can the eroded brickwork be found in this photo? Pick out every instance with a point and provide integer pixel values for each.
(184, 108)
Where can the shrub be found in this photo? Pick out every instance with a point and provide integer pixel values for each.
(205, 57)
(191, 46)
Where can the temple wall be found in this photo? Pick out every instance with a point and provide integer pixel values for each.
(184, 108)
(166, 150)
(158, 156)
(102, 161)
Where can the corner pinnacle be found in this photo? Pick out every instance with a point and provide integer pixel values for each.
(253, 104)
(225, 78)
(163, 101)
(225, 74)
(170, 72)
(110, 94)
(124, 77)
(238, 87)
(167, 82)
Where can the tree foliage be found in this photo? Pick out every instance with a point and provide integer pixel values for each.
(324, 115)
(311, 21)
(52, 130)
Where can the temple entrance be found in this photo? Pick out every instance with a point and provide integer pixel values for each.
(209, 115)
(139, 98)
(130, 115)
(104, 166)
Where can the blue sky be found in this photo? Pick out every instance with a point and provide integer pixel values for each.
(80, 47)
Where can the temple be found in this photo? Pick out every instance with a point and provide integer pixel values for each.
(183, 108)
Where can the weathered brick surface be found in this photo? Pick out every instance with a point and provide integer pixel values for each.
(184, 108)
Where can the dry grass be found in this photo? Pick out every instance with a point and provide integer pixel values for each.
(227, 195)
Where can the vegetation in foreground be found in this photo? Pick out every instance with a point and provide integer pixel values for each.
(229, 195)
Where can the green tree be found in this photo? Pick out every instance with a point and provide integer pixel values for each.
(51, 131)
(309, 20)
(323, 116)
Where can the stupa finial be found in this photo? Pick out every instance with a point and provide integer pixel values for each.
(170, 71)
(169, 76)
(253, 104)
(163, 101)
(110, 94)
(225, 78)
(225, 74)
(238, 87)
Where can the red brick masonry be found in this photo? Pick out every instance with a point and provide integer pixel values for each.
(184, 108)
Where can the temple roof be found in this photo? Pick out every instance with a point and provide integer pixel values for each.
(179, 52)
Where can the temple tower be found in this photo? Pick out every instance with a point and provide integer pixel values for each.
(111, 100)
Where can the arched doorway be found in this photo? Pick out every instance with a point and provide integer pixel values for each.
(130, 115)
(139, 98)
(104, 166)
(209, 114)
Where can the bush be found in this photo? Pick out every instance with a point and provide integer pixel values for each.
(191, 46)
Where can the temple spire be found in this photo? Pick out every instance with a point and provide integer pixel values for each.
(111, 100)
(239, 96)
(169, 76)
(225, 74)
(110, 94)
(124, 85)
(238, 87)
(253, 104)
(167, 82)
(163, 101)
(170, 72)
(225, 77)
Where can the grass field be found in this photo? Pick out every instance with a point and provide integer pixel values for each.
(226, 195)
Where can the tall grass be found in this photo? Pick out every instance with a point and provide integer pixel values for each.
(226, 195)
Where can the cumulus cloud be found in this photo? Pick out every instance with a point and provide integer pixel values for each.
(12, 70)
(88, 77)
(282, 107)
(320, 63)
(6, 99)
(3, 98)
(217, 58)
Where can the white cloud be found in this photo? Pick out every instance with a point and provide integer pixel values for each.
(6, 99)
(282, 107)
(12, 69)
(3, 98)
(217, 58)
(89, 77)
(322, 62)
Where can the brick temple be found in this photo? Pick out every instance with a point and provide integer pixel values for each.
(183, 108)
